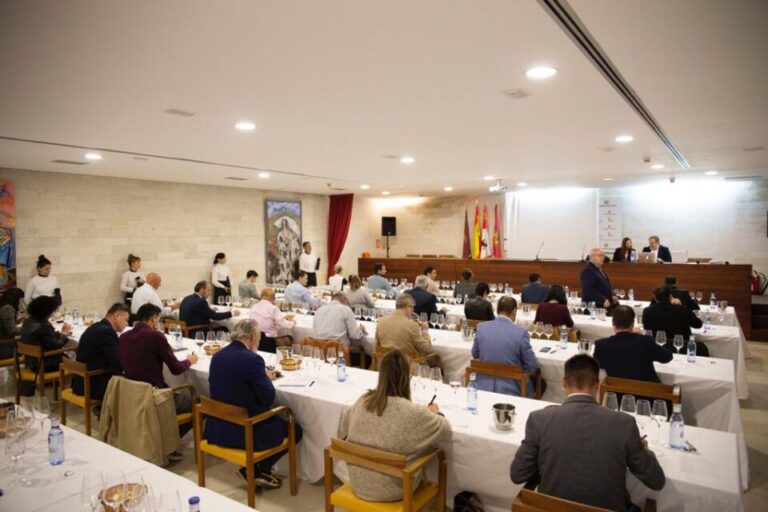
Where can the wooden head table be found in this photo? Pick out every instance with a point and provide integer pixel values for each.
(729, 282)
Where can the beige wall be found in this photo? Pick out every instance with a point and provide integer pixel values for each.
(87, 226)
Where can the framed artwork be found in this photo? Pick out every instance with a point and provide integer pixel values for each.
(282, 229)
(7, 235)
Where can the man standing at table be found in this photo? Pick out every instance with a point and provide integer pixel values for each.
(581, 450)
(595, 285)
(309, 263)
(239, 377)
(270, 319)
(195, 309)
(627, 354)
(378, 281)
(662, 253)
(297, 293)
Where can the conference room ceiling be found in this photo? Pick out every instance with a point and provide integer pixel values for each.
(339, 91)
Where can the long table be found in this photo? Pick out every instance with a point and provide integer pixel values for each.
(479, 455)
(729, 282)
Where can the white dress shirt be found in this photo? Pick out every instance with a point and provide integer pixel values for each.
(39, 286)
(308, 262)
(220, 272)
(128, 282)
(146, 294)
(336, 282)
(336, 321)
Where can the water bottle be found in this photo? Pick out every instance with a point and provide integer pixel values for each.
(676, 427)
(707, 321)
(631, 295)
(55, 443)
(466, 298)
(563, 337)
(177, 337)
(567, 292)
(341, 368)
(472, 394)
(691, 350)
(194, 504)
(712, 301)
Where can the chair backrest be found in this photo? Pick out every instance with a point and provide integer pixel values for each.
(168, 323)
(388, 463)
(502, 371)
(324, 345)
(26, 349)
(223, 411)
(72, 367)
(670, 392)
(532, 501)
(381, 352)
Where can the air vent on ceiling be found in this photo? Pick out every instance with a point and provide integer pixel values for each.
(142, 158)
(179, 112)
(69, 162)
(337, 189)
(744, 178)
(235, 178)
(516, 94)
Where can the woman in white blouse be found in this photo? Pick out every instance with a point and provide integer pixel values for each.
(43, 283)
(132, 278)
(221, 277)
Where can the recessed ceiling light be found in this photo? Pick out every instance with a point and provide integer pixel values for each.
(522, 184)
(541, 72)
(623, 139)
(385, 192)
(607, 179)
(657, 166)
(407, 160)
(263, 175)
(93, 156)
(488, 178)
(710, 173)
(365, 186)
(448, 189)
(245, 126)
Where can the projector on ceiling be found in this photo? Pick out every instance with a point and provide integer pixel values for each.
(498, 187)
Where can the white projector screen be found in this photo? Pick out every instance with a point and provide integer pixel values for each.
(565, 220)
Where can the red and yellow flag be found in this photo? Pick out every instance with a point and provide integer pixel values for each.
(476, 235)
(496, 235)
(485, 242)
(466, 251)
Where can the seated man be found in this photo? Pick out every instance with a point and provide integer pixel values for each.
(534, 292)
(247, 287)
(144, 349)
(297, 292)
(431, 273)
(466, 287)
(238, 376)
(147, 294)
(595, 285)
(195, 309)
(98, 349)
(400, 330)
(629, 355)
(270, 319)
(479, 307)
(662, 253)
(378, 282)
(336, 321)
(663, 315)
(503, 341)
(426, 302)
(682, 295)
(582, 450)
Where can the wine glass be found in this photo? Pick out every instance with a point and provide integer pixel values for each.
(433, 320)
(493, 287)
(436, 376)
(89, 492)
(199, 339)
(15, 447)
(622, 293)
(643, 415)
(611, 401)
(424, 374)
(297, 351)
(692, 295)
(678, 342)
(548, 330)
(113, 483)
(699, 296)
(659, 413)
(628, 404)
(228, 300)
(661, 338)
(330, 355)
(42, 409)
(221, 336)
(220, 300)
(423, 317)
(539, 329)
(210, 337)
(502, 288)
(440, 321)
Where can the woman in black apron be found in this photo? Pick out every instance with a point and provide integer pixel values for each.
(221, 277)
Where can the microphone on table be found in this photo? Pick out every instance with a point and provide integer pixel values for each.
(539, 250)
(583, 255)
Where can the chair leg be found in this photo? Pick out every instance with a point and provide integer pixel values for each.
(250, 485)
(64, 413)
(87, 416)
(201, 469)
(328, 480)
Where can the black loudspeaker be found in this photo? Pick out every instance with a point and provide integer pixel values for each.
(388, 226)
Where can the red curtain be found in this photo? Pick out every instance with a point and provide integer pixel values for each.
(339, 217)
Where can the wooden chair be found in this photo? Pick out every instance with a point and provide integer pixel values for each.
(506, 371)
(532, 501)
(38, 377)
(67, 368)
(242, 457)
(639, 388)
(11, 361)
(188, 417)
(434, 358)
(324, 345)
(391, 464)
(169, 323)
(474, 323)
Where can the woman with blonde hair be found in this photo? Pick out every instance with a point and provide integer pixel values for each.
(357, 295)
(385, 419)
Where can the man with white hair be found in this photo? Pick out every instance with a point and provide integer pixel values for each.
(238, 376)
(400, 331)
(426, 302)
(595, 285)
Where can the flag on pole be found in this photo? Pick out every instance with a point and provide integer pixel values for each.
(466, 251)
(476, 235)
(485, 242)
(496, 236)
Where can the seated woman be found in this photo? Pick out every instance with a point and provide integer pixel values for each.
(385, 419)
(479, 307)
(625, 252)
(357, 295)
(465, 288)
(554, 309)
(9, 314)
(38, 330)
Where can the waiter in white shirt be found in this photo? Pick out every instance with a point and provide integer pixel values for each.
(309, 263)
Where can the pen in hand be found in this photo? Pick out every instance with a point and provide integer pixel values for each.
(433, 400)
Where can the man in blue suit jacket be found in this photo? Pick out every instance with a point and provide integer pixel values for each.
(239, 377)
(503, 341)
(662, 252)
(534, 292)
(195, 310)
(595, 285)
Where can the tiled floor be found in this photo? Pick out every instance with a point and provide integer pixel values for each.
(221, 475)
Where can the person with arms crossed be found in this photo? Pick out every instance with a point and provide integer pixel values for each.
(309, 262)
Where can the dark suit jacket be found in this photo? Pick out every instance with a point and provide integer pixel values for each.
(534, 293)
(40, 332)
(478, 309)
(685, 298)
(194, 310)
(670, 318)
(630, 356)
(595, 285)
(426, 302)
(663, 254)
(98, 349)
(238, 377)
(561, 445)
(619, 255)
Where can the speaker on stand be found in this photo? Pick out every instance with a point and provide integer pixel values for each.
(388, 228)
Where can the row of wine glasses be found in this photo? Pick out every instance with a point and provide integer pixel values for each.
(225, 300)
(644, 412)
(541, 329)
(661, 339)
(113, 490)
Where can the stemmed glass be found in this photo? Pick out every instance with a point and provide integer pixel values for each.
(628, 404)
(330, 355)
(493, 287)
(622, 293)
(643, 412)
(539, 329)
(699, 296)
(692, 295)
(423, 317)
(441, 321)
(455, 385)
(424, 374)
(661, 338)
(678, 342)
(89, 493)
(221, 336)
(433, 320)
(228, 300)
(220, 300)
(113, 483)
(659, 413)
(15, 447)
(199, 339)
(548, 330)
(436, 376)
(611, 401)
(297, 351)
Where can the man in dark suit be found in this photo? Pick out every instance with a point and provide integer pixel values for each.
(195, 310)
(98, 349)
(595, 285)
(534, 292)
(479, 307)
(629, 355)
(663, 315)
(662, 252)
(238, 376)
(426, 302)
(580, 450)
(682, 295)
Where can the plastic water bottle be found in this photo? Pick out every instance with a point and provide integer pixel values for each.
(472, 394)
(177, 337)
(676, 427)
(341, 368)
(712, 301)
(194, 504)
(55, 443)
(563, 337)
(691, 350)
(707, 321)
(466, 298)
